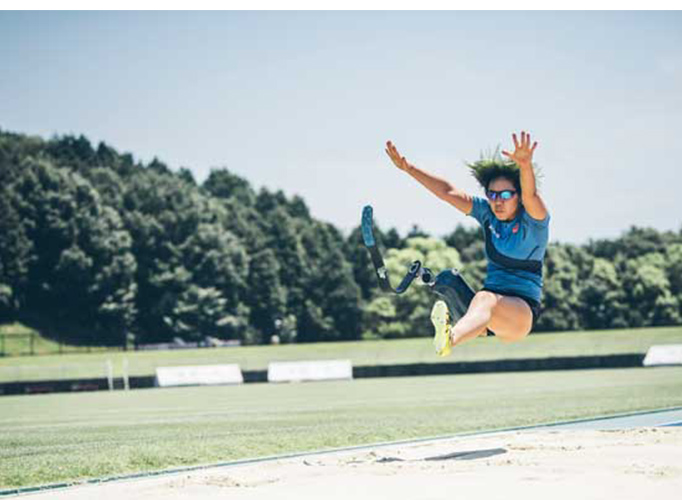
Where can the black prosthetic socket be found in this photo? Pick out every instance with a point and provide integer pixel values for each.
(455, 291)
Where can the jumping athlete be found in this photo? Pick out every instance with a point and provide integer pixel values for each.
(516, 227)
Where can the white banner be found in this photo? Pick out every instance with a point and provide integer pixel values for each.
(658, 355)
(299, 371)
(171, 376)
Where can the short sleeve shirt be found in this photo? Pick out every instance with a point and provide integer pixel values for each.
(522, 238)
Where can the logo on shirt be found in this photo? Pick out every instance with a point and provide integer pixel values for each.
(492, 230)
(515, 230)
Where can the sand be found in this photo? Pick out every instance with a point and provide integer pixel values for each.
(618, 464)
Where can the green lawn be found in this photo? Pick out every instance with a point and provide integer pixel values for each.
(63, 437)
(416, 350)
(19, 340)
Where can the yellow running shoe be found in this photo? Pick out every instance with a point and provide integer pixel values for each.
(441, 324)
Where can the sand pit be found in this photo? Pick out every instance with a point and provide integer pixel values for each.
(538, 464)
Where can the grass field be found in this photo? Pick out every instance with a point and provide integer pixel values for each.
(63, 437)
(415, 350)
(19, 340)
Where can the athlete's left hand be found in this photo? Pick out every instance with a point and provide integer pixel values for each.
(523, 152)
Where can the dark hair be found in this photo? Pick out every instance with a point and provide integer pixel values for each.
(492, 167)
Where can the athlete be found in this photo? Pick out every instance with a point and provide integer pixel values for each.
(516, 227)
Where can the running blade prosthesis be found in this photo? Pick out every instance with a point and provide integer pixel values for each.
(378, 261)
(449, 285)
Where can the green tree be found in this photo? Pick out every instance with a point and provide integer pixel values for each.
(81, 281)
(162, 213)
(358, 256)
(648, 292)
(329, 286)
(200, 312)
(463, 237)
(561, 289)
(602, 298)
(673, 265)
(266, 297)
(222, 183)
(16, 251)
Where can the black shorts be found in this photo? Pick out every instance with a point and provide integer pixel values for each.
(532, 303)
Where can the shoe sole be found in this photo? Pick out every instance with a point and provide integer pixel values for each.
(441, 338)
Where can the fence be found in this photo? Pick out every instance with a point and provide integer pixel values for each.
(30, 344)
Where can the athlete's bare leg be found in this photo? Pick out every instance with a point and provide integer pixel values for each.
(509, 317)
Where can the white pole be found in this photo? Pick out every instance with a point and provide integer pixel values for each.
(110, 374)
(126, 382)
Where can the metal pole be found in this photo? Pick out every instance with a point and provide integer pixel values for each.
(110, 374)
(126, 381)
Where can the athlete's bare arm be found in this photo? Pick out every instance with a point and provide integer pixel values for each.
(523, 157)
(440, 187)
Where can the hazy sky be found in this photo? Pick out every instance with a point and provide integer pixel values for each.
(305, 101)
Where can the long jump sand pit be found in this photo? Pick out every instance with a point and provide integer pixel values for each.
(537, 464)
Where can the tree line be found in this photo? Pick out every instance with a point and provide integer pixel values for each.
(97, 248)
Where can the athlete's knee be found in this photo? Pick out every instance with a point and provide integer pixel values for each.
(485, 299)
(482, 306)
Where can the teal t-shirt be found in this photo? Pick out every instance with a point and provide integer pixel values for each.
(522, 238)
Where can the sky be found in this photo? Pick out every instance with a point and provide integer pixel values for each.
(305, 101)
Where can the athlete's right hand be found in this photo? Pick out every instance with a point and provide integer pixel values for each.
(398, 161)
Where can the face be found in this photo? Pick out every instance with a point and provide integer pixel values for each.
(503, 209)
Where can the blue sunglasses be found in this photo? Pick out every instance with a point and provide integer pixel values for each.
(507, 194)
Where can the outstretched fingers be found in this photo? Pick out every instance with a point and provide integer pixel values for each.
(525, 143)
(394, 155)
(391, 151)
(526, 137)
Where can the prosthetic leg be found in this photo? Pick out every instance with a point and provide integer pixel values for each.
(454, 296)
(453, 292)
(452, 288)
